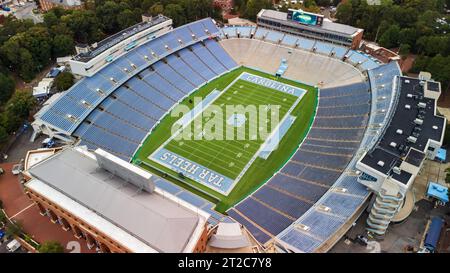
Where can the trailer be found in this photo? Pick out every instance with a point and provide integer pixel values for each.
(434, 233)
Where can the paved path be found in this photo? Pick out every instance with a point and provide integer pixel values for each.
(20, 208)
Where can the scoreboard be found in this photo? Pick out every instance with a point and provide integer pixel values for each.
(304, 17)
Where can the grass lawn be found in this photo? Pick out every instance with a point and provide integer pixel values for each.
(229, 157)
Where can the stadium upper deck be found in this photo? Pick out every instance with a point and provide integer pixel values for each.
(314, 27)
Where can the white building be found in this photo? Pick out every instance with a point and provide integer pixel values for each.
(91, 58)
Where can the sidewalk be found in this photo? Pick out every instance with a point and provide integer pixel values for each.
(19, 208)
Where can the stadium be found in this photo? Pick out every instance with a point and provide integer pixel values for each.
(336, 103)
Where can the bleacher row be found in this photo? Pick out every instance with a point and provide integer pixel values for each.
(339, 126)
(66, 113)
(322, 225)
(120, 123)
(366, 61)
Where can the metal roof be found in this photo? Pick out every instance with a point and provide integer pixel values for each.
(159, 222)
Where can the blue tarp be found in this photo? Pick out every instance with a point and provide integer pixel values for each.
(433, 234)
(438, 191)
(441, 155)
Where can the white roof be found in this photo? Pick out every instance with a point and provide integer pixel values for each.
(229, 229)
(113, 205)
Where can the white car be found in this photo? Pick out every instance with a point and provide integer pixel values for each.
(13, 245)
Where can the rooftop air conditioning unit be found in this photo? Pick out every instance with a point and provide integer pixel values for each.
(85, 103)
(399, 131)
(133, 66)
(380, 163)
(342, 190)
(146, 57)
(406, 81)
(166, 47)
(407, 106)
(397, 170)
(126, 70)
(100, 91)
(422, 105)
(418, 121)
(409, 96)
(412, 139)
(435, 127)
(302, 227)
(324, 208)
(71, 117)
(393, 144)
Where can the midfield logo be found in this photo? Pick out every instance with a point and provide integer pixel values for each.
(225, 122)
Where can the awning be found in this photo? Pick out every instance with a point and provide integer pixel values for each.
(438, 191)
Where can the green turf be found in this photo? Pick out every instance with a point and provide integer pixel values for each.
(261, 170)
(229, 157)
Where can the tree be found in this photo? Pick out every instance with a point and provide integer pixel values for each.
(51, 247)
(62, 45)
(6, 87)
(3, 218)
(156, 9)
(254, 6)
(26, 65)
(389, 38)
(126, 19)
(344, 12)
(14, 229)
(21, 104)
(64, 81)
(50, 19)
(175, 12)
(404, 49)
(107, 15)
(3, 135)
(84, 24)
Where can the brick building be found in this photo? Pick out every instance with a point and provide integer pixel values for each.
(97, 197)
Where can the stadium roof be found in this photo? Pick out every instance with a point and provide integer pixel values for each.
(139, 220)
(327, 24)
(412, 126)
(116, 38)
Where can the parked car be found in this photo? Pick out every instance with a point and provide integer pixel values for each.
(13, 245)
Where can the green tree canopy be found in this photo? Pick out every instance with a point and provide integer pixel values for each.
(6, 87)
(64, 81)
(51, 247)
(63, 45)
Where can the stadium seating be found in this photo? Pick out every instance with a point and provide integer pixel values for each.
(65, 113)
(312, 171)
(137, 105)
(342, 205)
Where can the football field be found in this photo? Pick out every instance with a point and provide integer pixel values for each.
(202, 157)
(229, 157)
